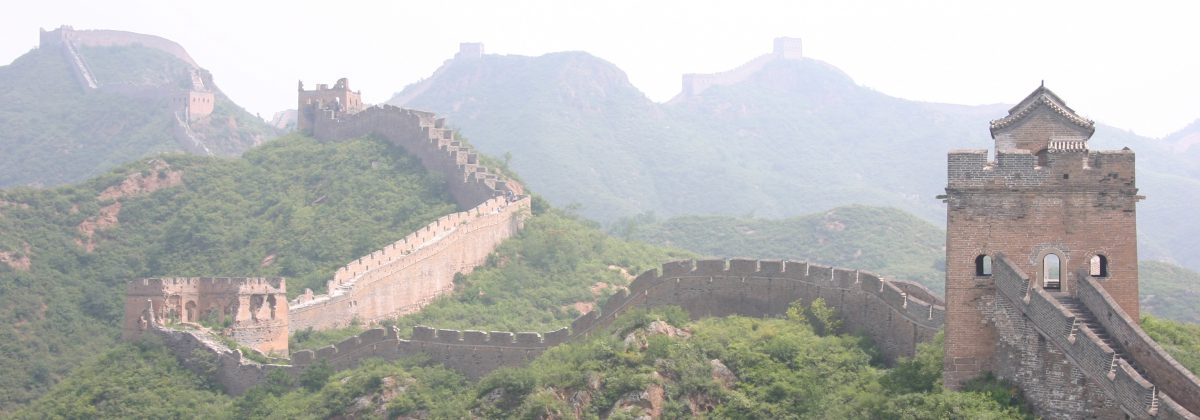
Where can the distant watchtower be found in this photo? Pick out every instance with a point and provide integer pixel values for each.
(325, 102)
(1055, 209)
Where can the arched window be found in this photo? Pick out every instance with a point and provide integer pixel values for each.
(1099, 266)
(983, 265)
(1051, 273)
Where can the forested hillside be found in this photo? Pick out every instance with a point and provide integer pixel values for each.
(54, 132)
(293, 208)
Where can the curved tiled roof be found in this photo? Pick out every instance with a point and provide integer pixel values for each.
(1039, 98)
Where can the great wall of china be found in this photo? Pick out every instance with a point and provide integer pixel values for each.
(1073, 348)
(187, 105)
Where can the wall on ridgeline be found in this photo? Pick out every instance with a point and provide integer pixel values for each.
(425, 136)
(404, 276)
(409, 273)
(866, 304)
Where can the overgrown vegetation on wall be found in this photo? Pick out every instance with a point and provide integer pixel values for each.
(293, 208)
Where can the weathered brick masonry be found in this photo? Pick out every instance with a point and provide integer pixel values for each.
(1049, 207)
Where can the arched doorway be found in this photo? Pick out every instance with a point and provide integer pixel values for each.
(1052, 272)
(190, 311)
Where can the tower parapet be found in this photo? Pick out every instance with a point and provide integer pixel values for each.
(326, 102)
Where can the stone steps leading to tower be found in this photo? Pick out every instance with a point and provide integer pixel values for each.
(1087, 319)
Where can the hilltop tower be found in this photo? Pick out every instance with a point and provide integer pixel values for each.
(1053, 208)
(326, 102)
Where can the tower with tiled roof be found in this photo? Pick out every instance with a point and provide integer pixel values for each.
(1051, 206)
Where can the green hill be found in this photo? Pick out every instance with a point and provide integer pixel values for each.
(292, 208)
(55, 132)
(792, 138)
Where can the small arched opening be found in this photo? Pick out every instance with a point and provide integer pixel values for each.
(1051, 272)
(1098, 266)
(983, 265)
(189, 311)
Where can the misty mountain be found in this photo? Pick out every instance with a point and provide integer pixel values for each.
(778, 137)
(69, 112)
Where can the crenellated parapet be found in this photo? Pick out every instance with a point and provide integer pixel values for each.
(425, 136)
(406, 275)
(868, 304)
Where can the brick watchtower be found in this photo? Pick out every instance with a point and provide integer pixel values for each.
(325, 102)
(1051, 206)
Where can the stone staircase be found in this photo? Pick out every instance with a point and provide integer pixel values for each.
(1084, 318)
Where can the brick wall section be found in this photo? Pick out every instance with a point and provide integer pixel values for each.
(404, 276)
(1078, 205)
(422, 135)
(1058, 372)
(1161, 369)
(107, 38)
(256, 307)
(866, 304)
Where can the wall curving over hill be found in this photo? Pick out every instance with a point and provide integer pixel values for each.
(404, 276)
(896, 315)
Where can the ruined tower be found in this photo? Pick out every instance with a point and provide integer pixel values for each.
(1046, 203)
(326, 103)
(252, 311)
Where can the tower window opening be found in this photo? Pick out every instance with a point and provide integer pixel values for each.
(1098, 266)
(1051, 273)
(983, 265)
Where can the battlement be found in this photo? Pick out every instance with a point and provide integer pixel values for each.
(1063, 166)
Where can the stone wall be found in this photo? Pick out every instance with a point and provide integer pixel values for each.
(784, 49)
(1064, 369)
(425, 136)
(1076, 205)
(255, 309)
(1160, 368)
(404, 276)
(866, 304)
(107, 38)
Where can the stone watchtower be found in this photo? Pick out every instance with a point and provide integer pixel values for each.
(1052, 207)
(325, 102)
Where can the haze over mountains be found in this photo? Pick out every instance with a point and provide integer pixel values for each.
(791, 136)
(85, 102)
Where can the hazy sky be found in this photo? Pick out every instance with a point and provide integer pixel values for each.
(1131, 64)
